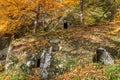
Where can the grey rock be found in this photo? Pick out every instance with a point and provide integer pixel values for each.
(54, 44)
(4, 42)
(3, 54)
(103, 56)
(55, 41)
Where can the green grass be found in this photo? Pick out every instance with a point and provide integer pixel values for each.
(112, 72)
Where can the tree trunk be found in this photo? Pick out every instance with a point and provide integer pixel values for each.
(35, 25)
(36, 20)
(81, 13)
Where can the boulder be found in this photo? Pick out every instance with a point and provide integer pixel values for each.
(3, 54)
(103, 56)
(55, 43)
(4, 42)
(21, 55)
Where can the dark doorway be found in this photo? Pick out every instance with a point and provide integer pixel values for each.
(65, 25)
(38, 63)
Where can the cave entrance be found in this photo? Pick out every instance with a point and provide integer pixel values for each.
(38, 63)
(65, 25)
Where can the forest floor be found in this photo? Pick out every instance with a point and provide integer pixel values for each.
(88, 39)
(85, 41)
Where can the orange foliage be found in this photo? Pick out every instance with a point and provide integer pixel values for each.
(16, 13)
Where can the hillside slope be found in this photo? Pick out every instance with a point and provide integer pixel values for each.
(78, 47)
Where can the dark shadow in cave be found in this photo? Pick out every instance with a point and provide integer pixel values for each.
(38, 63)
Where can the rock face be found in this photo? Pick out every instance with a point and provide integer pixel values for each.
(21, 55)
(51, 60)
(24, 56)
(3, 54)
(45, 63)
(4, 42)
(103, 56)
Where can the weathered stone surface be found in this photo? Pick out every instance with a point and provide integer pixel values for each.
(55, 44)
(23, 54)
(3, 54)
(45, 63)
(103, 56)
(4, 42)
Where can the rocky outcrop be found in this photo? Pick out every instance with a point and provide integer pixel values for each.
(3, 54)
(23, 54)
(51, 56)
(103, 56)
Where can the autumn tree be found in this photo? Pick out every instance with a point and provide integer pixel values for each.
(18, 13)
(15, 14)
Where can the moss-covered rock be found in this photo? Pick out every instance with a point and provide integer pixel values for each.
(23, 54)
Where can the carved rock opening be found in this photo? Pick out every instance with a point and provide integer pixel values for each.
(103, 56)
(38, 63)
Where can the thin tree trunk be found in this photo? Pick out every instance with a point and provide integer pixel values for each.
(81, 13)
(36, 20)
(35, 25)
